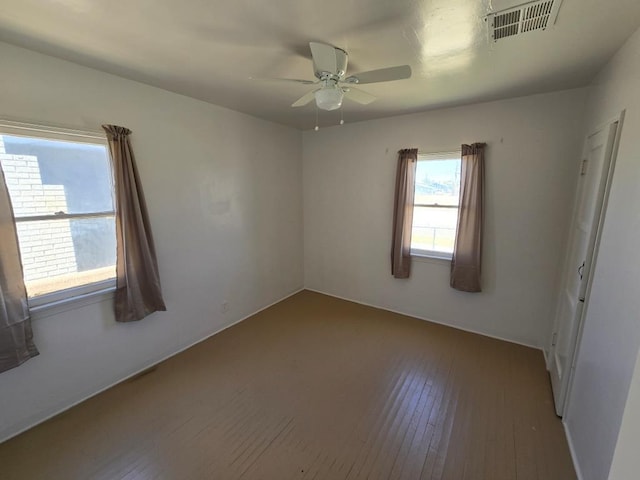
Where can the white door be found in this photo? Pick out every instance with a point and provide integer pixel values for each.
(592, 186)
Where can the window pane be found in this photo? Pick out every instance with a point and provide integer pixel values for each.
(59, 254)
(434, 229)
(438, 182)
(49, 176)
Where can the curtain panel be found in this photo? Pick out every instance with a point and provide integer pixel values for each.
(403, 213)
(466, 264)
(138, 290)
(16, 336)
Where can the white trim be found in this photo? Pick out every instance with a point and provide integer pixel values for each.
(592, 256)
(547, 358)
(600, 126)
(11, 127)
(59, 296)
(449, 155)
(431, 254)
(72, 302)
(38, 304)
(427, 157)
(64, 216)
(572, 451)
(413, 315)
(153, 363)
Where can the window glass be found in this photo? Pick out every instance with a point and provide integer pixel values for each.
(76, 177)
(437, 195)
(62, 198)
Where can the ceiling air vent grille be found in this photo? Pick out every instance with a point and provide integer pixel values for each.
(523, 18)
(506, 24)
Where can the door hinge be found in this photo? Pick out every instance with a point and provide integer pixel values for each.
(553, 339)
(583, 168)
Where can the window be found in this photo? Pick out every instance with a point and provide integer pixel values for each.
(437, 196)
(61, 190)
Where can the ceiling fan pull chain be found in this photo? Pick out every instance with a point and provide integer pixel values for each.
(317, 127)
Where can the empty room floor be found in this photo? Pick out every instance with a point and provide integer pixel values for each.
(314, 388)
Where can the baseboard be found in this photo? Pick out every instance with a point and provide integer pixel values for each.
(143, 369)
(470, 330)
(574, 459)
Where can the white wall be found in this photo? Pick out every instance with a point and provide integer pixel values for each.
(224, 192)
(611, 334)
(534, 145)
(626, 461)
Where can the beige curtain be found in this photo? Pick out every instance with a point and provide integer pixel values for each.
(16, 337)
(403, 213)
(138, 291)
(467, 255)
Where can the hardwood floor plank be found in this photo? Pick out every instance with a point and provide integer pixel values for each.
(314, 388)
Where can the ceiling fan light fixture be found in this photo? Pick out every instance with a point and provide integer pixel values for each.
(329, 98)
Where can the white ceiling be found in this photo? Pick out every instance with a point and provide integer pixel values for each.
(209, 49)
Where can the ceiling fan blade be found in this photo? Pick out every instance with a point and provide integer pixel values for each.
(359, 96)
(381, 75)
(290, 80)
(324, 58)
(305, 99)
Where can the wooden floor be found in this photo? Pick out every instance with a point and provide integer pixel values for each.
(314, 388)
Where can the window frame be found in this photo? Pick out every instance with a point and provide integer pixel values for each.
(49, 132)
(425, 157)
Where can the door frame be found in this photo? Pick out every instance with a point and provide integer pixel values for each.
(592, 255)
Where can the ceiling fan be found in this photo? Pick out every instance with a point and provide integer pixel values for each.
(330, 68)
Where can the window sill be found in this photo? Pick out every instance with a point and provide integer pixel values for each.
(71, 303)
(431, 257)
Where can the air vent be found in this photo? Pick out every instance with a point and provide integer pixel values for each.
(523, 18)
